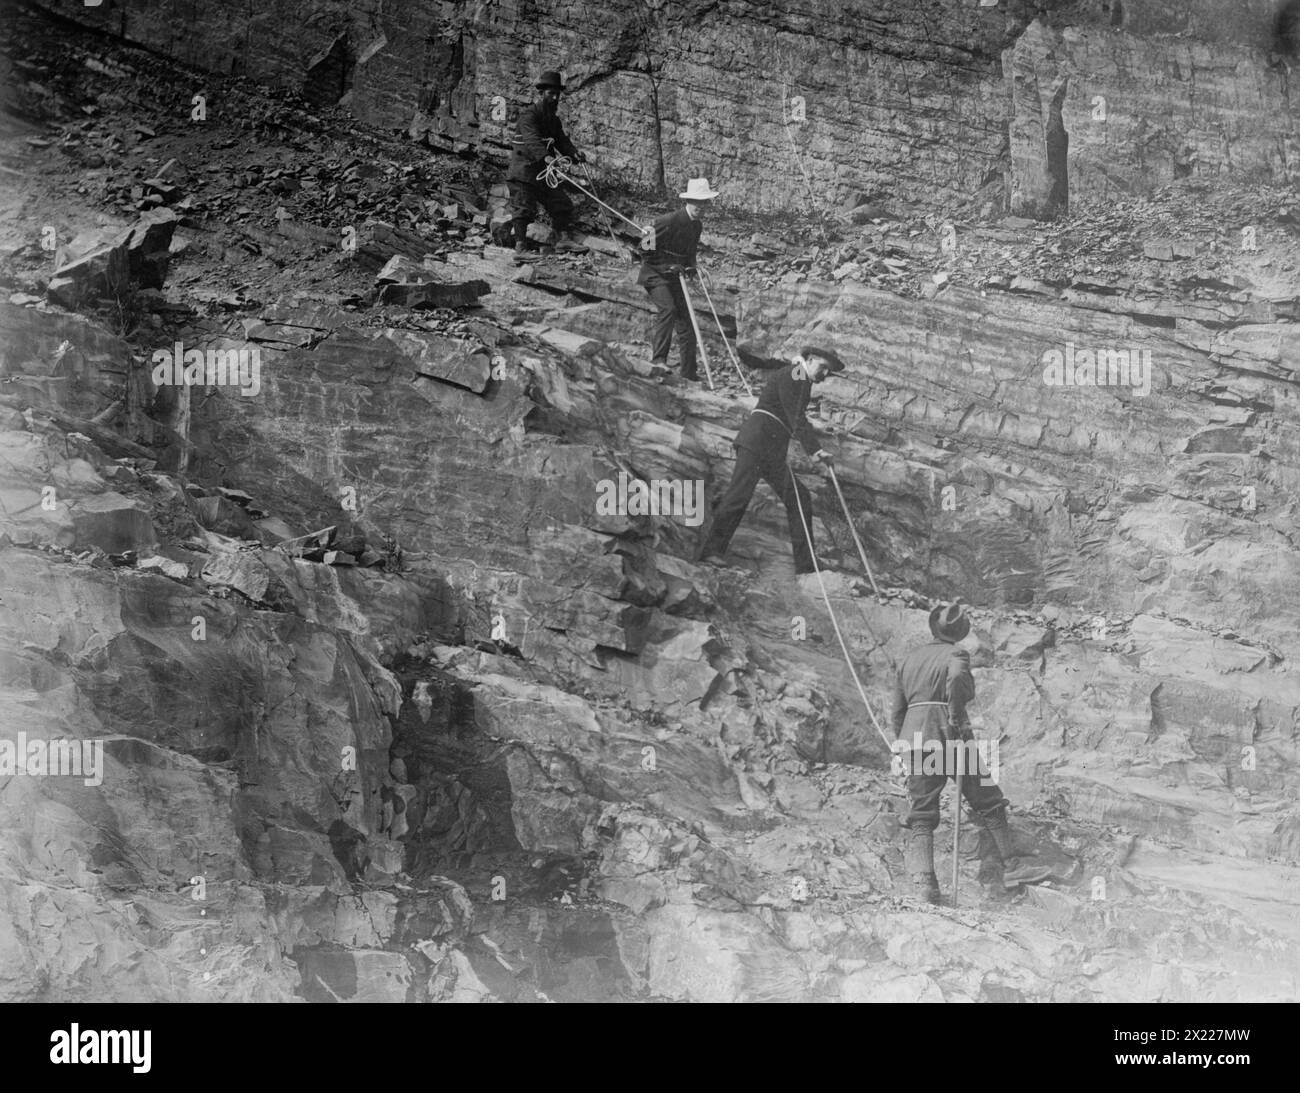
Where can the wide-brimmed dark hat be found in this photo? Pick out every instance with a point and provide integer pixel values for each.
(950, 622)
(550, 80)
(832, 359)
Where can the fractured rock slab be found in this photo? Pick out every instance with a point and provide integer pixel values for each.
(444, 359)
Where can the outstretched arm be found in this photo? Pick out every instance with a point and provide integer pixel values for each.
(794, 400)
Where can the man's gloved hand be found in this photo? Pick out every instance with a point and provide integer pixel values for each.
(579, 157)
(824, 457)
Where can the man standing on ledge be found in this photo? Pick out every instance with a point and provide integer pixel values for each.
(669, 245)
(762, 446)
(931, 692)
(539, 134)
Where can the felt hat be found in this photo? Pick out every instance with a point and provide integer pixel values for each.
(950, 622)
(831, 358)
(698, 189)
(550, 80)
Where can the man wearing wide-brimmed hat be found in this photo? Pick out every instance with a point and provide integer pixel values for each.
(762, 447)
(539, 134)
(669, 246)
(932, 690)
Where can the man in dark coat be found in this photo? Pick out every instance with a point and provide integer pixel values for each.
(762, 446)
(539, 134)
(933, 687)
(669, 245)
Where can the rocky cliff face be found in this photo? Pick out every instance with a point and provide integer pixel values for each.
(977, 103)
(392, 709)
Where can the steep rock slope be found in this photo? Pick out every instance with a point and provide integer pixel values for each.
(526, 749)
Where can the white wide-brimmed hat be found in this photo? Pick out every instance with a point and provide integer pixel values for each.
(698, 190)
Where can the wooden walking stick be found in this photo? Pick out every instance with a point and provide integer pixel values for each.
(956, 834)
(695, 325)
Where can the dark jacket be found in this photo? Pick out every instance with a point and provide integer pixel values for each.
(528, 157)
(787, 399)
(677, 236)
(937, 672)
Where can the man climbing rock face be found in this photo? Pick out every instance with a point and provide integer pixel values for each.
(539, 134)
(669, 246)
(933, 687)
(762, 448)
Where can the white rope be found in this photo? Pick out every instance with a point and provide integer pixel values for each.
(605, 219)
(730, 352)
(794, 485)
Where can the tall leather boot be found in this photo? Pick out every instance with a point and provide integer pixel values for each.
(919, 860)
(1015, 870)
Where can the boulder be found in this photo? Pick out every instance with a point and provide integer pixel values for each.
(111, 522)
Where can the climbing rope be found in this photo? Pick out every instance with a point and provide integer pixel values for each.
(556, 171)
(794, 485)
(862, 614)
(730, 352)
(603, 218)
(848, 516)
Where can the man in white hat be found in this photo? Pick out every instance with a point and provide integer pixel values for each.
(669, 245)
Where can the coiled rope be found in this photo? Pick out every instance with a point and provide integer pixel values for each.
(556, 171)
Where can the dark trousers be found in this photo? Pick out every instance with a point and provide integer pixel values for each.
(771, 467)
(668, 298)
(524, 199)
(925, 790)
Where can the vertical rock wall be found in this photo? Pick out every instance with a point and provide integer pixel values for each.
(811, 103)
